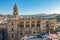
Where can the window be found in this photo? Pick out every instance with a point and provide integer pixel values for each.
(12, 29)
(38, 21)
(33, 21)
(12, 23)
(27, 22)
(33, 25)
(12, 35)
(21, 22)
(21, 33)
(27, 25)
(33, 32)
(6, 29)
(47, 22)
(39, 31)
(47, 25)
(38, 25)
(21, 25)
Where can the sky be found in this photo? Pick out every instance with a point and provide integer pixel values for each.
(30, 7)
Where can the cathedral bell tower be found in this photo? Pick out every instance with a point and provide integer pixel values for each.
(15, 11)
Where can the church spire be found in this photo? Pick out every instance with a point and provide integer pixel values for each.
(15, 10)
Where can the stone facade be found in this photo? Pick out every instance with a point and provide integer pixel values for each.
(18, 27)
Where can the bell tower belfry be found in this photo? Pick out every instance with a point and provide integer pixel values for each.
(15, 11)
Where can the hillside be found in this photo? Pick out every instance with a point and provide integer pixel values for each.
(58, 18)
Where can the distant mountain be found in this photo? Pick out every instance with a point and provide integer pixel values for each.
(41, 15)
(57, 16)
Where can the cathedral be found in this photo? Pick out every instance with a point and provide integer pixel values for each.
(17, 26)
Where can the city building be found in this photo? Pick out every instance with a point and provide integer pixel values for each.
(18, 26)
